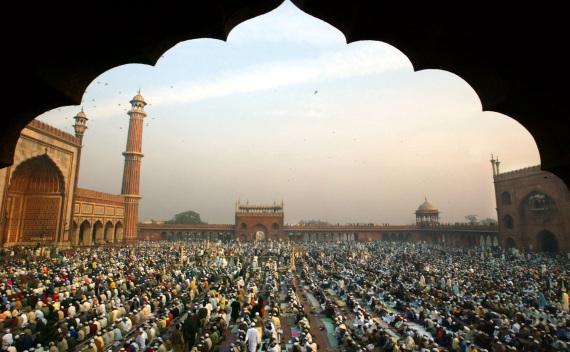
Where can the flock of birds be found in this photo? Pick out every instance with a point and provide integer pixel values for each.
(95, 106)
(106, 84)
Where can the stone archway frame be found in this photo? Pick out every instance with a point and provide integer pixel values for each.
(482, 46)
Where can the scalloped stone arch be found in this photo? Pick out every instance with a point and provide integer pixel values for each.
(487, 47)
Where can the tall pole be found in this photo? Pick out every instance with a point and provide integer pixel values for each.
(132, 169)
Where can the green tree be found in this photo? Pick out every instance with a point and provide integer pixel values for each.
(187, 217)
(472, 219)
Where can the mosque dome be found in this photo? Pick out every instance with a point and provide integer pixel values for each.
(427, 207)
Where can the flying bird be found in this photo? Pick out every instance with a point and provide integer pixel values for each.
(316, 91)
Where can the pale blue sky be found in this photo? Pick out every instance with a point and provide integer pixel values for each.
(285, 110)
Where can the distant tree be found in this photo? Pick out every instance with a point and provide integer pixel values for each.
(187, 217)
(489, 221)
(313, 223)
(472, 219)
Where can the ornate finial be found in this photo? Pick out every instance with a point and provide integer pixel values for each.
(139, 91)
(425, 198)
(46, 150)
(82, 109)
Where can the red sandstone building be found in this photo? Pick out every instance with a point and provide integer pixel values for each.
(533, 209)
(266, 222)
(40, 200)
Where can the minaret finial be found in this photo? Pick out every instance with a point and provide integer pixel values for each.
(139, 91)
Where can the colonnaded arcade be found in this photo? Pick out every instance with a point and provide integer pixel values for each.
(265, 222)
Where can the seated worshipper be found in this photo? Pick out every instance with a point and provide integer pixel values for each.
(270, 331)
(274, 346)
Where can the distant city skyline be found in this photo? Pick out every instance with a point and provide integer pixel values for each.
(285, 110)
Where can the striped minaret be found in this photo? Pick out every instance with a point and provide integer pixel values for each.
(132, 170)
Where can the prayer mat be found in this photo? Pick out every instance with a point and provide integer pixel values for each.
(329, 326)
(332, 340)
(313, 300)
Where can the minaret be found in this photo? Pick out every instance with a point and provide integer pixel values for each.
(79, 127)
(497, 163)
(80, 124)
(132, 169)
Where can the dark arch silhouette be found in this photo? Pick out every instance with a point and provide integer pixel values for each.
(547, 242)
(509, 223)
(482, 46)
(506, 198)
(84, 232)
(510, 243)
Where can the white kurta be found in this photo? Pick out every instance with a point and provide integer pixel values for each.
(252, 339)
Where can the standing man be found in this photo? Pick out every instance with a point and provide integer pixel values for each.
(252, 338)
(177, 339)
(189, 330)
(236, 309)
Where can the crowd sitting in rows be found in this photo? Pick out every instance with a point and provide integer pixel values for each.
(149, 297)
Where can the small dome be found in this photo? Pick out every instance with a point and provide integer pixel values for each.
(138, 97)
(81, 115)
(427, 207)
(138, 100)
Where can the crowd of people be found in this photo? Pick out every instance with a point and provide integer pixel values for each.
(442, 298)
(199, 296)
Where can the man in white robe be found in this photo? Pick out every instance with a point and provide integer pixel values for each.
(252, 338)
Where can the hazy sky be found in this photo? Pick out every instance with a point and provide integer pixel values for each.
(285, 110)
